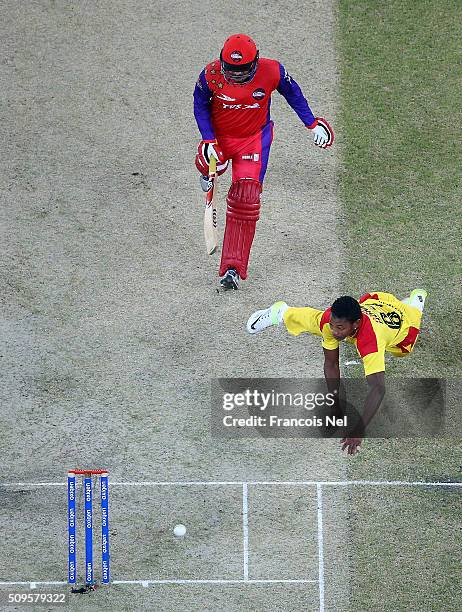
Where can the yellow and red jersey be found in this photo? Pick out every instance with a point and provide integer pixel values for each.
(387, 325)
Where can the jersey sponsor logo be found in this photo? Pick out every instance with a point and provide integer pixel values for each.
(287, 76)
(256, 105)
(370, 311)
(391, 320)
(259, 93)
(226, 98)
(199, 84)
(236, 56)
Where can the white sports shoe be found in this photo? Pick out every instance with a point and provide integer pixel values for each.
(261, 319)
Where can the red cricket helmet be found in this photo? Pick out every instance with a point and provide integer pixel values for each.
(239, 58)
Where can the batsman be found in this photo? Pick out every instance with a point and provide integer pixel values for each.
(232, 99)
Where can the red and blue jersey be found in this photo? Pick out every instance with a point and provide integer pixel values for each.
(225, 109)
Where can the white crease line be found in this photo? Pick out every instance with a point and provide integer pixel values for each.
(33, 484)
(33, 583)
(387, 483)
(240, 483)
(184, 483)
(320, 548)
(245, 529)
(213, 581)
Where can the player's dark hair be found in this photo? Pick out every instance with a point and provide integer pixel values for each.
(346, 307)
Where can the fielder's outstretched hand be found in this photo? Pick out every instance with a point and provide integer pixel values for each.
(323, 134)
(351, 445)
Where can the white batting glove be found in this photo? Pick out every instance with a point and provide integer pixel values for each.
(323, 134)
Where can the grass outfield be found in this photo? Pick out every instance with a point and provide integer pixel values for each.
(400, 122)
(399, 128)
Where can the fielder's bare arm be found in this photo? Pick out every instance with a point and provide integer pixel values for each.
(376, 323)
(232, 101)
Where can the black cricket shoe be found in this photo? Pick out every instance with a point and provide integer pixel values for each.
(230, 280)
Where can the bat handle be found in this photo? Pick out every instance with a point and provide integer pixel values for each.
(212, 165)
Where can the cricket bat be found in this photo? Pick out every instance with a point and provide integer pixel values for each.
(210, 213)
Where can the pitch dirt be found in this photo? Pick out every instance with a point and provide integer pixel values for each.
(112, 325)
